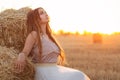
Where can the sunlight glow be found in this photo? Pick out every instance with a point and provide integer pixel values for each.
(75, 15)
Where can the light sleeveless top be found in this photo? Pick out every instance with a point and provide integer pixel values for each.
(50, 51)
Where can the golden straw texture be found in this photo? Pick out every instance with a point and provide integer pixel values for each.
(13, 29)
(7, 71)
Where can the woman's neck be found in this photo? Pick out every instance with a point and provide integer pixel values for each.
(43, 28)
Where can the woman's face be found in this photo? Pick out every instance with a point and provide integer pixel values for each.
(43, 16)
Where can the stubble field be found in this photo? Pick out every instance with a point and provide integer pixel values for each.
(100, 61)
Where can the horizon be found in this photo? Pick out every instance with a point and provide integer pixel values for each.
(62, 32)
(91, 16)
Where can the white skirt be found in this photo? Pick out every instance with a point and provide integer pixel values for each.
(57, 72)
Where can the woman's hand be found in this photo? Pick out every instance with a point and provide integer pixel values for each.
(20, 63)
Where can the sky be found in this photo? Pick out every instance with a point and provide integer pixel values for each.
(75, 15)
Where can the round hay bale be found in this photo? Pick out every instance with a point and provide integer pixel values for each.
(97, 38)
(7, 72)
(13, 28)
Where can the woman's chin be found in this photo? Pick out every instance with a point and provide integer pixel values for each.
(48, 21)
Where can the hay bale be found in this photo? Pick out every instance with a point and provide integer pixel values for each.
(13, 29)
(97, 38)
(7, 58)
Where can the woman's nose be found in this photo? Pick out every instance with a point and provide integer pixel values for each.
(46, 14)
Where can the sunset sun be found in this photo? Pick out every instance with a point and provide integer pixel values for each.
(76, 16)
(59, 39)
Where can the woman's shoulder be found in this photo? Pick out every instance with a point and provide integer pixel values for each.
(33, 35)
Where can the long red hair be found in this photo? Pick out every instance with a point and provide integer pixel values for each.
(33, 24)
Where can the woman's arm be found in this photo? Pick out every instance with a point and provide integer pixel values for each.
(21, 60)
(30, 41)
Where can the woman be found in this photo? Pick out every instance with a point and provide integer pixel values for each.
(47, 55)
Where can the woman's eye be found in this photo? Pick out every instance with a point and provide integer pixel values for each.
(41, 13)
